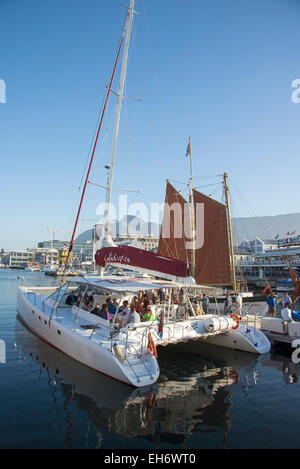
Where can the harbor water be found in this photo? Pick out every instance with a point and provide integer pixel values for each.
(206, 396)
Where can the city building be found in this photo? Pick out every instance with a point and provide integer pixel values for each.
(18, 259)
(270, 262)
(45, 255)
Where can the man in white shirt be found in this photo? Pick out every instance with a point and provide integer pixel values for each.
(123, 314)
(134, 317)
(238, 304)
(286, 314)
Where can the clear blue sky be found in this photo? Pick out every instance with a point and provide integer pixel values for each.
(218, 71)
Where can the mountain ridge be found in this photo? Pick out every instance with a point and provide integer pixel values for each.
(249, 228)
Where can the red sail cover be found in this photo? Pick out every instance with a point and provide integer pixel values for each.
(134, 257)
(172, 242)
(213, 259)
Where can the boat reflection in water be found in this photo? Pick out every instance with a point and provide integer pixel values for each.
(193, 394)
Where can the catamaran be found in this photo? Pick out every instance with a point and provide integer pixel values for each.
(129, 353)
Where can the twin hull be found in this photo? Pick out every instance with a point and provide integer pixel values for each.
(103, 359)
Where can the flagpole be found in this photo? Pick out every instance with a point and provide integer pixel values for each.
(193, 261)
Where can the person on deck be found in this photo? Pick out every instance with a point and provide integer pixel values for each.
(286, 313)
(79, 299)
(122, 314)
(148, 316)
(88, 307)
(146, 302)
(110, 306)
(238, 304)
(134, 316)
(228, 304)
(286, 299)
(104, 313)
(272, 301)
(96, 310)
(205, 303)
(71, 299)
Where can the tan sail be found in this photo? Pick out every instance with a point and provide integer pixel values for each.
(213, 259)
(172, 242)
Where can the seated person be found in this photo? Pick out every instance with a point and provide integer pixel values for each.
(286, 313)
(104, 313)
(96, 310)
(110, 305)
(91, 297)
(146, 302)
(71, 299)
(122, 314)
(79, 299)
(148, 316)
(198, 308)
(135, 302)
(134, 316)
(89, 306)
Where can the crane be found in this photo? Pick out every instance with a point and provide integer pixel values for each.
(56, 230)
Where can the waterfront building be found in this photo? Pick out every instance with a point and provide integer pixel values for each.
(258, 246)
(270, 263)
(18, 259)
(45, 255)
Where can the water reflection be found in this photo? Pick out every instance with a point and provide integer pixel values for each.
(280, 358)
(193, 395)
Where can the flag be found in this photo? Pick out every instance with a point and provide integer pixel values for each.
(293, 232)
(161, 324)
(287, 233)
(188, 150)
(277, 236)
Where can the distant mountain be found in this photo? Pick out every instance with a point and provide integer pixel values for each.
(129, 224)
(243, 228)
(265, 227)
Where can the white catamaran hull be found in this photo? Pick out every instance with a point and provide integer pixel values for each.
(78, 345)
(124, 354)
(245, 339)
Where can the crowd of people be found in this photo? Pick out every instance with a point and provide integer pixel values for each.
(139, 310)
(286, 306)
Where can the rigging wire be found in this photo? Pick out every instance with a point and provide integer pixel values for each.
(98, 121)
(156, 74)
(246, 204)
(94, 150)
(208, 185)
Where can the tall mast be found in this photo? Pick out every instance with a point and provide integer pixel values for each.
(118, 114)
(230, 233)
(191, 200)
